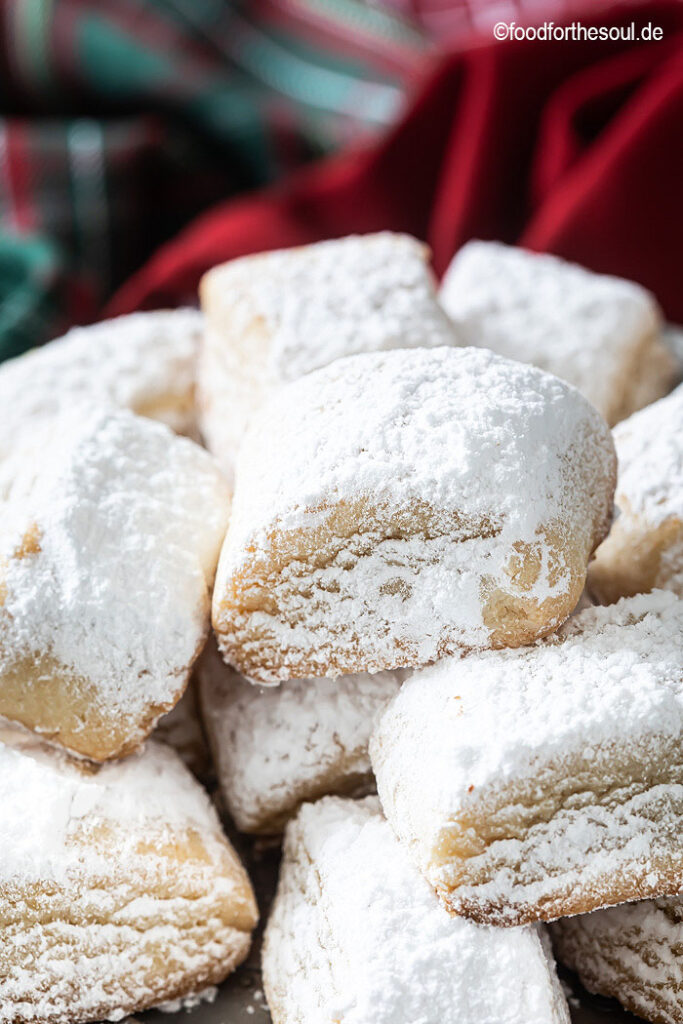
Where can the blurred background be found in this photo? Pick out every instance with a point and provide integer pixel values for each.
(142, 141)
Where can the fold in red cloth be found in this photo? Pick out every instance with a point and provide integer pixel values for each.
(573, 147)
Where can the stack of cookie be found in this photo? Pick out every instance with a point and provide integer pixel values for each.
(391, 532)
(118, 888)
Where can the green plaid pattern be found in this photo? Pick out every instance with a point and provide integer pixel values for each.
(129, 117)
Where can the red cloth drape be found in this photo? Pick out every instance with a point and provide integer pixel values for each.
(574, 147)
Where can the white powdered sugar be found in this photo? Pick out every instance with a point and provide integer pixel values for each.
(356, 934)
(644, 549)
(277, 746)
(273, 317)
(363, 293)
(513, 739)
(475, 456)
(610, 670)
(120, 891)
(45, 798)
(650, 453)
(600, 333)
(207, 995)
(111, 528)
(632, 952)
(144, 362)
(458, 428)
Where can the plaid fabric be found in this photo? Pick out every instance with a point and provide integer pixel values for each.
(124, 119)
(29, 303)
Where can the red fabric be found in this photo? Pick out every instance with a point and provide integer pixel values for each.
(571, 147)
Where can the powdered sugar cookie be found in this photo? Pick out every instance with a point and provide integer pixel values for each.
(357, 935)
(644, 548)
(600, 333)
(118, 889)
(395, 506)
(544, 782)
(633, 952)
(110, 528)
(276, 746)
(273, 317)
(144, 362)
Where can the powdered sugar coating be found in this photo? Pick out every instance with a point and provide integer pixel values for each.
(609, 668)
(631, 952)
(45, 798)
(600, 333)
(363, 293)
(493, 455)
(497, 738)
(650, 455)
(273, 317)
(118, 887)
(111, 528)
(357, 935)
(144, 362)
(277, 746)
(644, 549)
